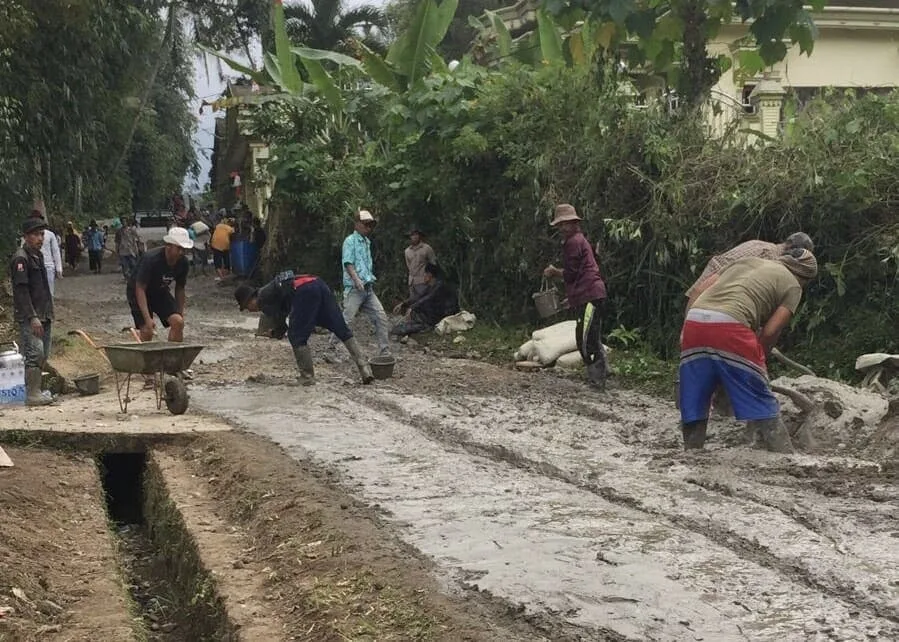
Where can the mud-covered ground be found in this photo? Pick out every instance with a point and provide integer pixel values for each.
(573, 510)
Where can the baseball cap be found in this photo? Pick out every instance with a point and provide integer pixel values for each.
(364, 216)
(243, 294)
(178, 236)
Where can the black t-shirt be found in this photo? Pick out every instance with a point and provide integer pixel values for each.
(156, 274)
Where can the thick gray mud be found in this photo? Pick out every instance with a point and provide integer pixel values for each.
(576, 508)
(568, 516)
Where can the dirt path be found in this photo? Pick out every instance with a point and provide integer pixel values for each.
(58, 577)
(575, 510)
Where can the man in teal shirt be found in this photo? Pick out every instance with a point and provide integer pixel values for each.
(359, 279)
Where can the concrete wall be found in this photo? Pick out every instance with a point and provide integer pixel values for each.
(842, 57)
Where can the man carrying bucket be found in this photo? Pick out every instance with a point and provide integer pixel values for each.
(585, 290)
(307, 302)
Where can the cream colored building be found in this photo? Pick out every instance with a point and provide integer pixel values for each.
(857, 47)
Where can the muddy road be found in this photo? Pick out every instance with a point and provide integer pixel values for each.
(575, 510)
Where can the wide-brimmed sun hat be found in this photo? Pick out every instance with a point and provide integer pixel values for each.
(178, 236)
(565, 212)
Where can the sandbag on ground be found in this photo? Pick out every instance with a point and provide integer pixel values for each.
(550, 347)
(556, 329)
(525, 352)
(570, 361)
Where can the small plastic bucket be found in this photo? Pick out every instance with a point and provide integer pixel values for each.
(382, 367)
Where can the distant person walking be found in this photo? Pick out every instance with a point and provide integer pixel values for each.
(418, 255)
(129, 246)
(73, 246)
(221, 248)
(93, 240)
(201, 238)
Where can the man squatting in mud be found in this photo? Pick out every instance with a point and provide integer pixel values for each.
(297, 304)
(736, 320)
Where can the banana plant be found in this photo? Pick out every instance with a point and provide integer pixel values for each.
(576, 41)
(280, 75)
(414, 54)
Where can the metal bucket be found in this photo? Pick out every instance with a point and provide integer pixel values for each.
(546, 300)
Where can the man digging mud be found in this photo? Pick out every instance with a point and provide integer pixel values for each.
(149, 288)
(297, 304)
(735, 322)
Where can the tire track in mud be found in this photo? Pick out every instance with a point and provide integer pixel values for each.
(745, 548)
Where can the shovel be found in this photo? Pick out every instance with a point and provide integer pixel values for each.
(804, 403)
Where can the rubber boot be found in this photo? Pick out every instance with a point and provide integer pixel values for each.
(303, 356)
(33, 396)
(355, 351)
(694, 434)
(774, 435)
(596, 375)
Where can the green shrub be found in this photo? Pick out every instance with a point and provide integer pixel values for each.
(479, 159)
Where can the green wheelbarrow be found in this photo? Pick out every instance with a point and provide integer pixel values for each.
(163, 361)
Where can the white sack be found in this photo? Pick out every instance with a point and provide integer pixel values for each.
(549, 347)
(456, 323)
(525, 351)
(570, 361)
(558, 329)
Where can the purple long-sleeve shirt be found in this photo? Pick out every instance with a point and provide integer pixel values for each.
(580, 272)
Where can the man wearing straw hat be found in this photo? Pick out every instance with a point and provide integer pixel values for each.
(585, 290)
(727, 335)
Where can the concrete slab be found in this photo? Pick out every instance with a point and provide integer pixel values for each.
(100, 414)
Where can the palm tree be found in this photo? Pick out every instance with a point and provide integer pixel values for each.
(324, 24)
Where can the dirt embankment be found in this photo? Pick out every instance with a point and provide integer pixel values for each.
(59, 578)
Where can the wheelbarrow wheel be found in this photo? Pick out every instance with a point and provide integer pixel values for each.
(176, 398)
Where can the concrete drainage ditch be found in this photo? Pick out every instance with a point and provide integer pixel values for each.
(174, 596)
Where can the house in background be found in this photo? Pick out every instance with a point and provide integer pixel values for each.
(857, 47)
(238, 173)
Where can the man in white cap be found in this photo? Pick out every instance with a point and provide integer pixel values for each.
(359, 280)
(149, 288)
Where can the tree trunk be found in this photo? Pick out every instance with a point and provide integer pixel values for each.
(157, 65)
(699, 72)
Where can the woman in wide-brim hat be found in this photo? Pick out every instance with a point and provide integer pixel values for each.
(584, 289)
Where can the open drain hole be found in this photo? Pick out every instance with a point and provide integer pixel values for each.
(174, 595)
(123, 479)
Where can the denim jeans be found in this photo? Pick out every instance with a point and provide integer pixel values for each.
(33, 348)
(367, 301)
(128, 264)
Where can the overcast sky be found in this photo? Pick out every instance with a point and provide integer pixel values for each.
(208, 87)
